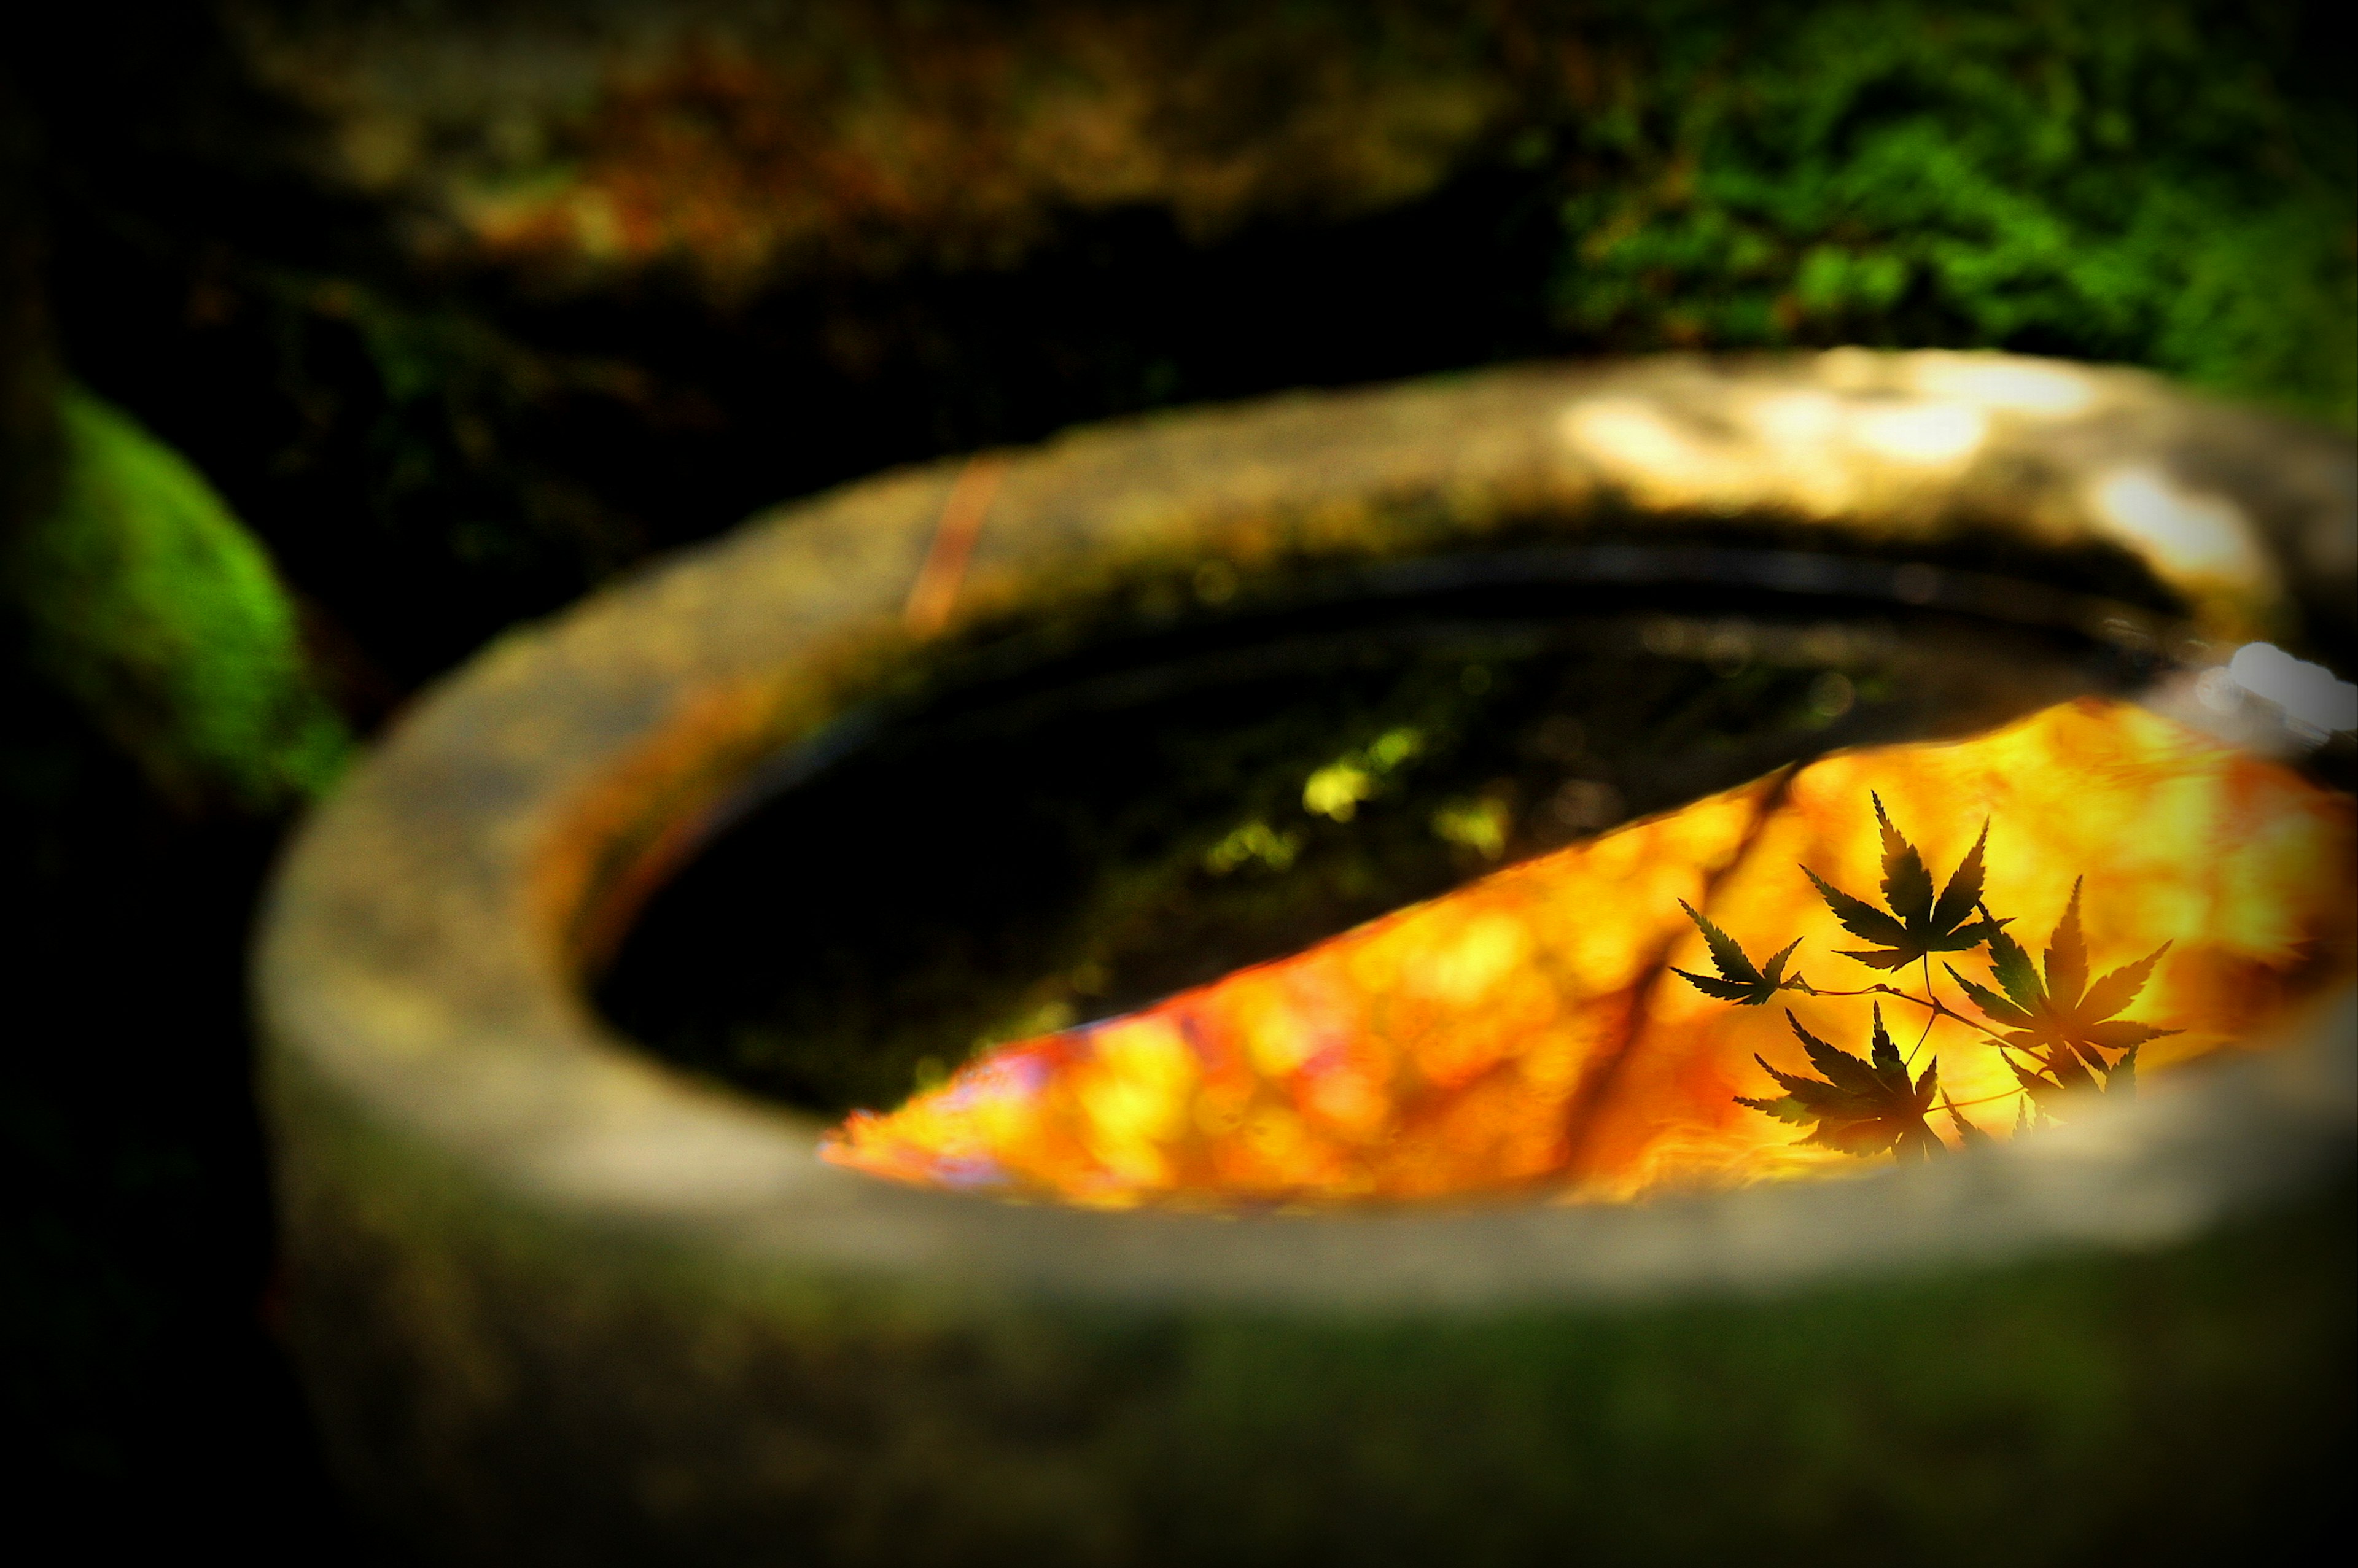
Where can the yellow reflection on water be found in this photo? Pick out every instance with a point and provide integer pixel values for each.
(1521, 1034)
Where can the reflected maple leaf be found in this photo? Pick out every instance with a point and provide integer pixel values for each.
(1740, 981)
(1968, 1135)
(1861, 1108)
(1914, 923)
(2062, 1019)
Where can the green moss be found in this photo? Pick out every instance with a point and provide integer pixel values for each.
(2148, 184)
(152, 607)
(2127, 1407)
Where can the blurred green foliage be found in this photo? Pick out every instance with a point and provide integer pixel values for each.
(434, 454)
(2166, 184)
(435, 450)
(161, 616)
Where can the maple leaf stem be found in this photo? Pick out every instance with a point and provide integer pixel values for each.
(1931, 1004)
(2008, 1049)
(1930, 1018)
(1985, 1099)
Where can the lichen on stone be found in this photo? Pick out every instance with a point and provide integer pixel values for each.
(151, 606)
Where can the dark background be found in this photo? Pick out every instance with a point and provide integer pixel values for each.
(463, 310)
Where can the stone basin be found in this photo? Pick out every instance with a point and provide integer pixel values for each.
(560, 1300)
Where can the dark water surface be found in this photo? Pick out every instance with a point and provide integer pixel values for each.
(1028, 852)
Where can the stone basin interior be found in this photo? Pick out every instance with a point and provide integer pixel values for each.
(1039, 843)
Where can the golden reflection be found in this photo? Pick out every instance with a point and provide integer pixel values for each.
(1523, 1034)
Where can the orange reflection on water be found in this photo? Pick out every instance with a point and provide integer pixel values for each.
(1521, 1034)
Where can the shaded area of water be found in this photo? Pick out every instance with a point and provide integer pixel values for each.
(1022, 855)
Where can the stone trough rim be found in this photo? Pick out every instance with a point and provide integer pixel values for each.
(418, 974)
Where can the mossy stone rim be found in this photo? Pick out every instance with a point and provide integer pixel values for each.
(419, 970)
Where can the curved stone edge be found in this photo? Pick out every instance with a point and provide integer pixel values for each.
(419, 945)
(510, 1391)
(560, 1303)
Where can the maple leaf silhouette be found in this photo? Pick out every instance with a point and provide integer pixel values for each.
(1739, 981)
(1860, 1108)
(1916, 923)
(1968, 1135)
(2071, 1077)
(2069, 1022)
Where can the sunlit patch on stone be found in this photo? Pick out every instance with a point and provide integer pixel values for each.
(2186, 531)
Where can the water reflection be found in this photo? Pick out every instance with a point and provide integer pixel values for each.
(1002, 866)
(1519, 1035)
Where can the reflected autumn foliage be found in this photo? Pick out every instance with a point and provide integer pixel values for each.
(1525, 1034)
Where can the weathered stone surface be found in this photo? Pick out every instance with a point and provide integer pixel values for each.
(560, 1304)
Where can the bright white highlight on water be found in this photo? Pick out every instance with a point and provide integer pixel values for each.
(2308, 693)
